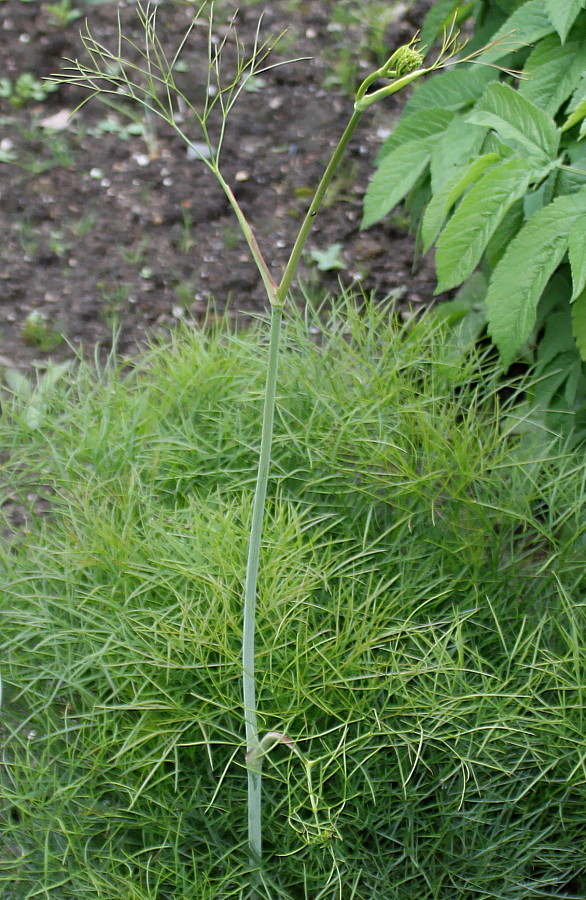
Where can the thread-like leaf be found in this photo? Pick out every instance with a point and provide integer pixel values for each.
(523, 272)
(516, 119)
(466, 235)
(394, 178)
(552, 72)
(579, 323)
(577, 254)
(562, 15)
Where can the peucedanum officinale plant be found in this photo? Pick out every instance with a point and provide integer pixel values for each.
(143, 74)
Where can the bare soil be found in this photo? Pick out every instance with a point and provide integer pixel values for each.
(102, 228)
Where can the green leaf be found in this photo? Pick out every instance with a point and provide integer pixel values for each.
(452, 89)
(577, 254)
(504, 234)
(552, 72)
(523, 272)
(327, 260)
(458, 143)
(541, 196)
(577, 105)
(579, 323)
(516, 119)
(568, 182)
(395, 177)
(562, 15)
(414, 127)
(526, 25)
(466, 235)
(557, 338)
(442, 202)
(577, 116)
(557, 291)
(441, 15)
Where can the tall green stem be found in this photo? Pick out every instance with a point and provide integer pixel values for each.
(277, 297)
(250, 590)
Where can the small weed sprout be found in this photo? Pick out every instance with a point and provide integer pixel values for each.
(38, 332)
(26, 89)
(145, 75)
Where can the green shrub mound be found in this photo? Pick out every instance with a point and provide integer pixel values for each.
(421, 627)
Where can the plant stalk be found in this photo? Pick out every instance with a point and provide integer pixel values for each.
(314, 208)
(250, 590)
(277, 297)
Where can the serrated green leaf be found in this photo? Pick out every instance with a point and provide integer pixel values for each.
(395, 177)
(526, 25)
(552, 72)
(570, 181)
(453, 89)
(516, 119)
(578, 115)
(508, 6)
(523, 272)
(541, 196)
(577, 254)
(441, 15)
(415, 127)
(557, 338)
(504, 234)
(458, 143)
(442, 202)
(579, 323)
(466, 235)
(558, 290)
(562, 15)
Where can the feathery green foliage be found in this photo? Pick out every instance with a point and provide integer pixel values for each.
(420, 628)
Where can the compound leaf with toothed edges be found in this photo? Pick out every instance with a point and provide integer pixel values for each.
(524, 270)
(395, 177)
(579, 323)
(466, 235)
(415, 127)
(440, 16)
(458, 143)
(562, 15)
(577, 254)
(441, 202)
(528, 24)
(576, 110)
(552, 73)
(504, 233)
(516, 119)
(453, 89)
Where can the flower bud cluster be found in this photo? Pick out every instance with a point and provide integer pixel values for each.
(405, 60)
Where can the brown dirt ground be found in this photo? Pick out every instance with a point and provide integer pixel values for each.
(98, 230)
